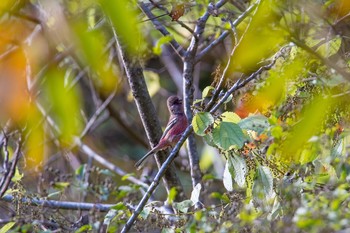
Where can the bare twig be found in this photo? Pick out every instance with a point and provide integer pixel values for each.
(11, 170)
(223, 35)
(127, 128)
(176, 46)
(98, 158)
(97, 113)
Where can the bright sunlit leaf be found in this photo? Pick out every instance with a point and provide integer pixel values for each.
(208, 91)
(201, 121)
(7, 227)
(157, 49)
(18, 176)
(196, 193)
(172, 195)
(230, 117)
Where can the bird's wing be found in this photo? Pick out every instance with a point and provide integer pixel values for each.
(169, 126)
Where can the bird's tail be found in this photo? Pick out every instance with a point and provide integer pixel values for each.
(139, 163)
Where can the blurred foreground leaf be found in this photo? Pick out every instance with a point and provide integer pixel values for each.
(65, 104)
(124, 20)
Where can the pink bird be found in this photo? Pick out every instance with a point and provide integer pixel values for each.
(176, 126)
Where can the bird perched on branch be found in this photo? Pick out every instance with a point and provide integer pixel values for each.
(173, 131)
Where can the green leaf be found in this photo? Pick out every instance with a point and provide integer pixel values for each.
(172, 195)
(240, 169)
(17, 177)
(229, 99)
(80, 172)
(7, 227)
(145, 212)
(227, 135)
(208, 91)
(263, 183)
(106, 172)
(124, 20)
(235, 170)
(183, 206)
(257, 123)
(157, 49)
(119, 206)
(201, 121)
(109, 216)
(230, 117)
(125, 177)
(61, 185)
(85, 228)
(209, 140)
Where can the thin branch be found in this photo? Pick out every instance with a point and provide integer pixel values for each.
(98, 158)
(133, 134)
(223, 35)
(97, 113)
(176, 46)
(241, 83)
(67, 205)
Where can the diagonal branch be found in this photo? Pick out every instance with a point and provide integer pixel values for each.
(67, 205)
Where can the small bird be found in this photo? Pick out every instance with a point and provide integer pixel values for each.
(173, 131)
